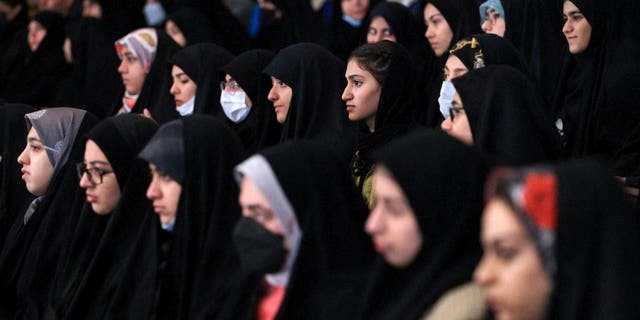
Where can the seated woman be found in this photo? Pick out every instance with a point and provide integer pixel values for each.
(14, 196)
(144, 54)
(425, 226)
(302, 249)
(306, 84)
(108, 174)
(244, 101)
(378, 95)
(32, 247)
(555, 244)
(181, 264)
(498, 110)
(197, 67)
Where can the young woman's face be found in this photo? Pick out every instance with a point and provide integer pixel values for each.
(355, 9)
(392, 223)
(99, 180)
(362, 94)
(454, 68)
(175, 33)
(230, 85)
(91, 9)
(165, 194)
(511, 273)
(380, 30)
(280, 95)
(183, 88)
(255, 205)
(36, 34)
(131, 72)
(36, 167)
(438, 31)
(494, 23)
(457, 124)
(576, 28)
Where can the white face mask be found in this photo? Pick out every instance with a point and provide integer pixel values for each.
(186, 108)
(234, 106)
(447, 91)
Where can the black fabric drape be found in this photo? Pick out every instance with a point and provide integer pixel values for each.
(334, 253)
(317, 111)
(83, 264)
(31, 252)
(445, 193)
(34, 77)
(260, 129)
(507, 116)
(14, 196)
(463, 19)
(201, 63)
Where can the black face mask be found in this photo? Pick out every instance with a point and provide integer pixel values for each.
(260, 250)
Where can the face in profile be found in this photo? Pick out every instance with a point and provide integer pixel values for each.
(165, 194)
(511, 272)
(494, 23)
(454, 68)
(380, 30)
(131, 72)
(438, 31)
(175, 33)
(361, 95)
(36, 34)
(280, 95)
(392, 224)
(457, 124)
(255, 205)
(99, 180)
(183, 88)
(37, 170)
(576, 28)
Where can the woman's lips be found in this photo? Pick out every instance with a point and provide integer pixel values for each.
(350, 107)
(25, 173)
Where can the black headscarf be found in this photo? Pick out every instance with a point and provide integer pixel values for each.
(333, 246)
(463, 19)
(200, 258)
(316, 78)
(298, 23)
(507, 116)
(201, 63)
(535, 29)
(31, 252)
(121, 16)
(13, 193)
(585, 214)
(396, 106)
(260, 129)
(34, 77)
(447, 209)
(95, 81)
(409, 31)
(341, 37)
(195, 25)
(120, 138)
(489, 49)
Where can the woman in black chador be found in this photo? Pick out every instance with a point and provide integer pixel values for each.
(114, 183)
(425, 225)
(302, 249)
(307, 81)
(33, 245)
(244, 100)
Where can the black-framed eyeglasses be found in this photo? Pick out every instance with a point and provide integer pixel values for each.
(231, 87)
(453, 111)
(94, 174)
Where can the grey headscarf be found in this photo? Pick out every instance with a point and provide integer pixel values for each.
(166, 150)
(57, 128)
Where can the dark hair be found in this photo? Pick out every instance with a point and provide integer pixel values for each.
(375, 58)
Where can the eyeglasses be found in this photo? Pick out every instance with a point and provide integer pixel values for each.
(453, 111)
(232, 87)
(94, 174)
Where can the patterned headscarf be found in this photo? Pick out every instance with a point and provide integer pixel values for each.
(57, 128)
(533, 195)
(142, 43)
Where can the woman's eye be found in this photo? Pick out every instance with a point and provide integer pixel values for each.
(357, 83)
(506, 254)
(282, 84)
(184, 81)
(372, 31)
(388, 33)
